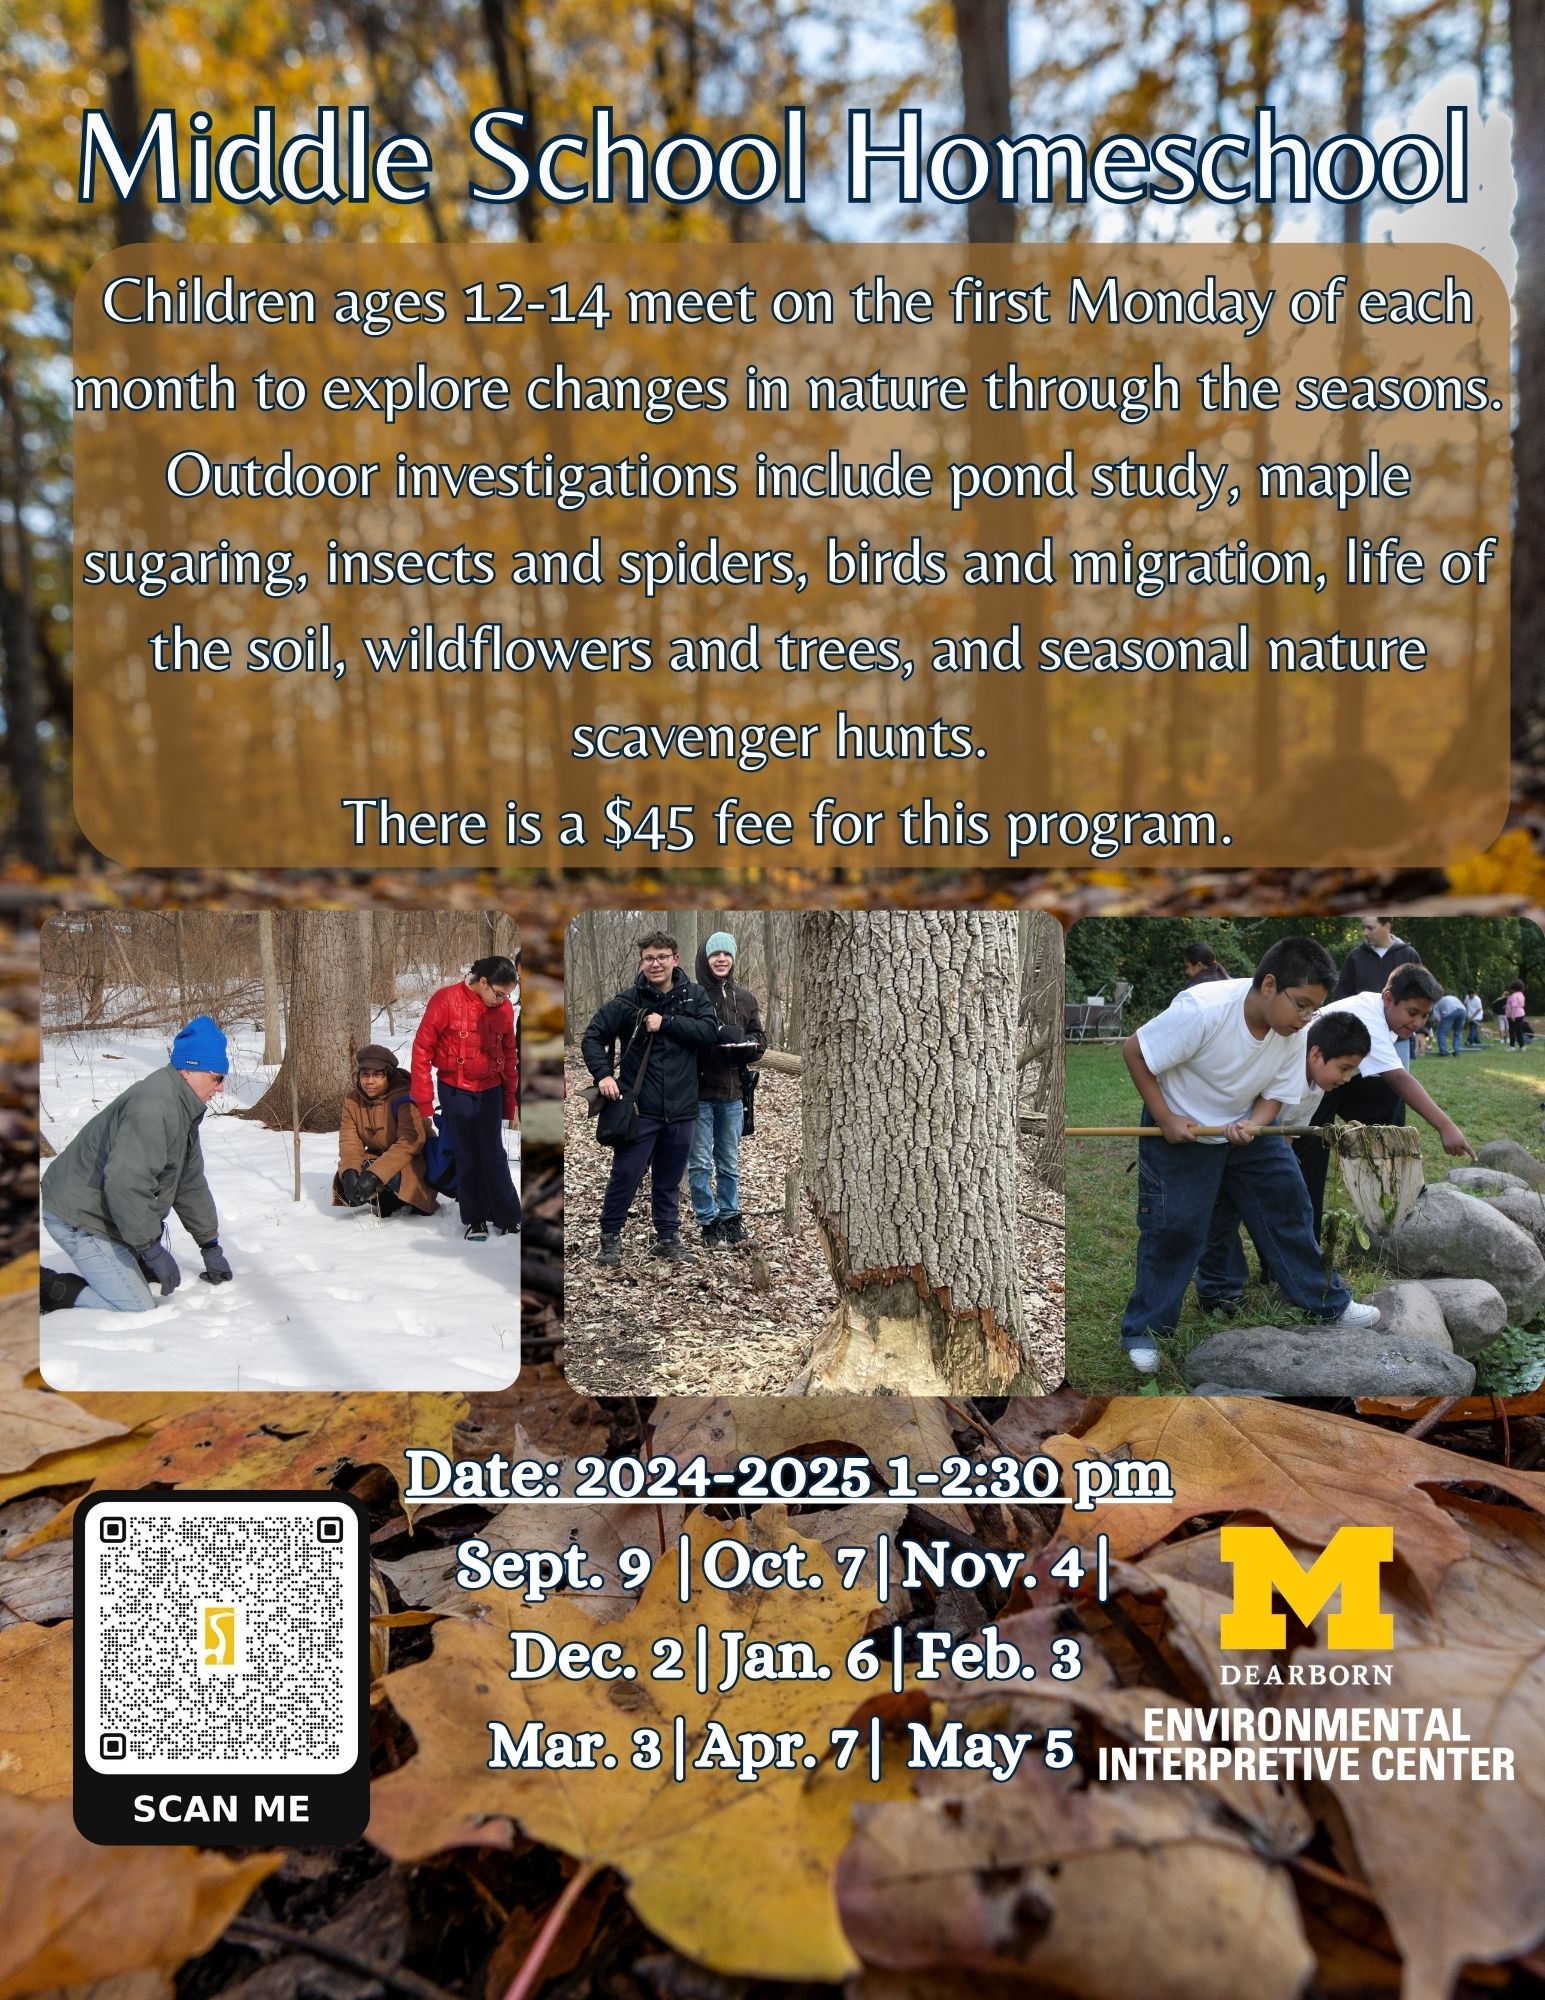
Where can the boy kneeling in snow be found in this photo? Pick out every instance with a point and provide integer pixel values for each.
(108, 1194)
(381, 1139)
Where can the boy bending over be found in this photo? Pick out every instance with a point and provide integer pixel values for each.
(1383, 1087)
(1230, 1053)
(1335, 1043)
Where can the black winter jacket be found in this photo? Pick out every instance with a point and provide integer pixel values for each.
(687, 1029)
(719, 1071)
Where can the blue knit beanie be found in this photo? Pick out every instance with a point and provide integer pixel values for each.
(200, 1045)
(721, 941)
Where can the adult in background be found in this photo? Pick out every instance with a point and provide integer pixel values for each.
(381, 1140)
(1201, 964)
(1513, 1013)
(713, 1171)
(467, 1040)
(108, 1194)
(668, 1019)
(1447, 1022)
(1369, 965)
(1475, 1015)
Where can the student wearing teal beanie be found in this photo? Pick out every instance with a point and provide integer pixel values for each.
(713, 1170)
(108, 1194)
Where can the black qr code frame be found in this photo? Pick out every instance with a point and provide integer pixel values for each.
(233, 1809)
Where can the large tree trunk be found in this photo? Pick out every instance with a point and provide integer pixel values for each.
(327, 971)
(1526, 34)
(131, 214)
(910, 1145)
(18, 631)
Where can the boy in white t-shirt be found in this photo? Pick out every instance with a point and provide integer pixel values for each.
(1334, 1044)
(1229, 1054)
(1383, 1088)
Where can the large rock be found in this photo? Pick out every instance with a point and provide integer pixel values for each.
(1409, 1309)
(1450, 1235)
(1486, 1181)
(1473, 1311)
(1506, 1156)
(1523, 1207)
(1326, 1361)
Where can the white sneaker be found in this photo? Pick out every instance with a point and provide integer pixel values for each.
(1356, 1315)
(1143, 1355)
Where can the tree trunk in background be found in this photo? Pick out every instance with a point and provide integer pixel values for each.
(510, 54)
(1526, 40)
(910, 1146)
(383, 963)
(131, 216)
(273, 1006)
(361, 1014)
(328, 973)
(18, 635)
(982, 37)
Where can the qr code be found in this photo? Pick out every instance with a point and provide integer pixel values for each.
(221, 1636)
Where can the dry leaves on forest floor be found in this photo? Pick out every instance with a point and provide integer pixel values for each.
(743, 1323)
(739, 1322)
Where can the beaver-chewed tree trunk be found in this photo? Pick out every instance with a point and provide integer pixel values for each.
(910, 1145)
(328, 970)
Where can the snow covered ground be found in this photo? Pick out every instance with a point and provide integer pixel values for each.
(323, 1297)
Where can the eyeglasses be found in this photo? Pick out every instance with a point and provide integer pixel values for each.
(372, 1072)
(655, 962)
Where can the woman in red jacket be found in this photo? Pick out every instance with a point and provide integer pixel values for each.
(467, 1037)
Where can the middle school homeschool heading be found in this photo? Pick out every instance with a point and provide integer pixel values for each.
(340, 158)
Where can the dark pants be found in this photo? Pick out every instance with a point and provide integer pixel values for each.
(659, 1149)
(1515, 1033)
(473, 1121)
(1368, 1100)
(1178, 1195)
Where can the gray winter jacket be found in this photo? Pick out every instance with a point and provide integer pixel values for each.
(136, 1161)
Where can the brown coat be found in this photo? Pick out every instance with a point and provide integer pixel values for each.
(388, 1135)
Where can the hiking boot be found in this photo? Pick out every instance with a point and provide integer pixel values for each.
(58, 1290)
(475, 1232)
(731, 1230)
(671, 1249)
(610, 1251)
(713, 1234)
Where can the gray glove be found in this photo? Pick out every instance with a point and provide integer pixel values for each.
(159, 1264)
(217, 1266)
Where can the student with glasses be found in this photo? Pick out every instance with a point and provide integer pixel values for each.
(663, 1023)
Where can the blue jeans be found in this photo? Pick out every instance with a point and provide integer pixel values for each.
(1472, 1034)
(114, 1280)
(1449, 1029)
(1178, 1195)
(716, 1159)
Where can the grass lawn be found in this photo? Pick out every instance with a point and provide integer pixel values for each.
(1491, 1094)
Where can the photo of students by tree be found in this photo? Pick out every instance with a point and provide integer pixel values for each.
(814, 1152)
(1306, 1157)
(280, 1150)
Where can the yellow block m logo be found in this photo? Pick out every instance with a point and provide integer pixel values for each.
(1351, 1563)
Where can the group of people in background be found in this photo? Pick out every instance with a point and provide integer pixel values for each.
(1297, 1045)
(684, 1051)
(109, 1193)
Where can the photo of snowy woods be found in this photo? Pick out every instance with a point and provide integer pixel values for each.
(880, 1212)
(338, 1278)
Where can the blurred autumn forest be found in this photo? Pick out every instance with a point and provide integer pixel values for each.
(712, 66)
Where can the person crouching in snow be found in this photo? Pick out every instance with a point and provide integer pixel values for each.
(381, 1140)
(108, 1194)
(467, 1038)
